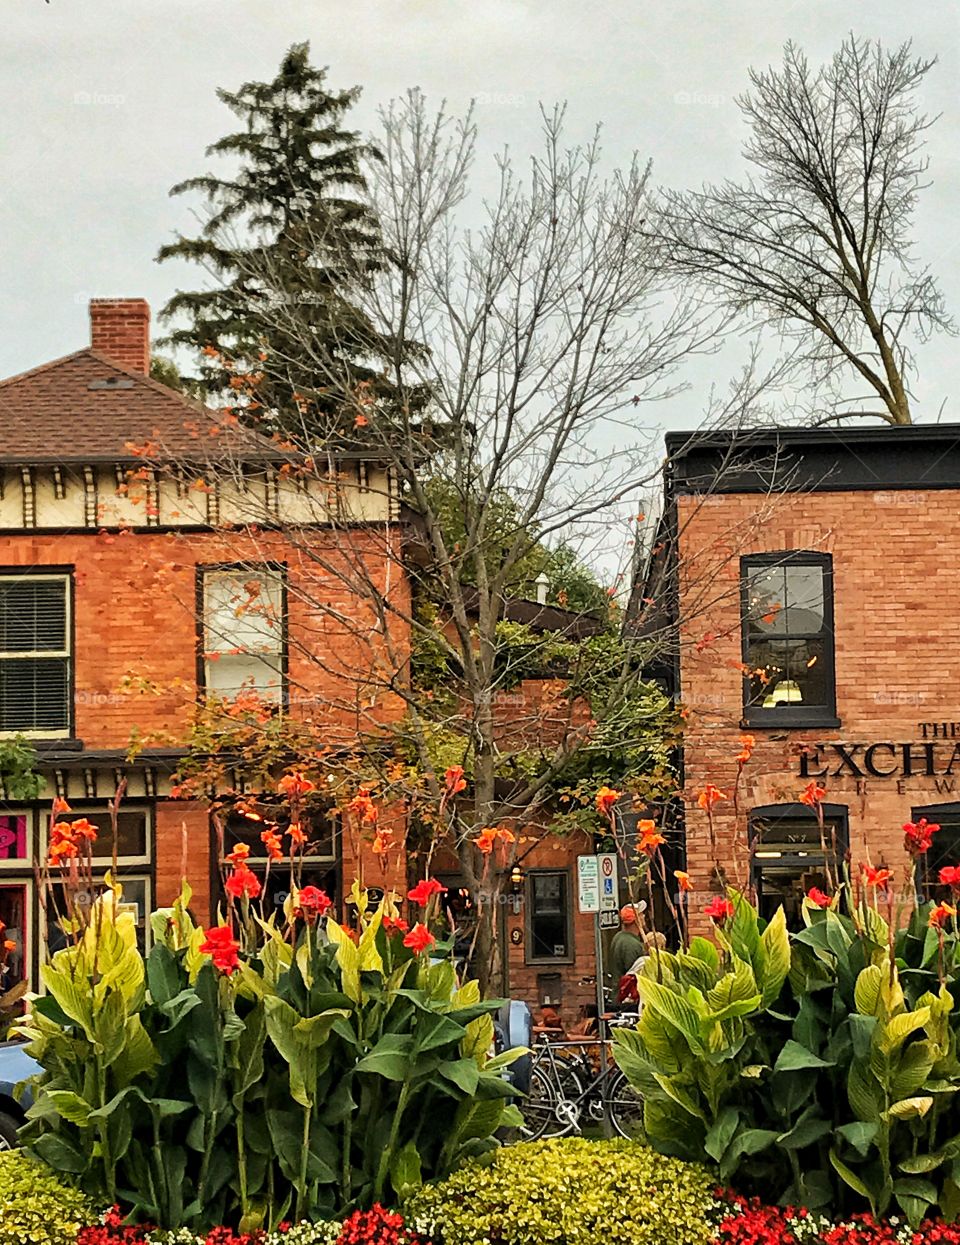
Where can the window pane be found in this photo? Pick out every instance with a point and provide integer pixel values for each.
(785, 600)
(33, 617)
(317, 822)
(34, 694)
(13, 836)
(791, 672)
(231, 675)
(243, 612)
(13, 914)
(548, 916)
(131, 832)
(945, 850)
(789, 859)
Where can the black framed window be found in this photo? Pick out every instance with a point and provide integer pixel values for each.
(789, 856)
(549, 924)
(944, 849)
(788, 642)
(244, 633)
(35, 644)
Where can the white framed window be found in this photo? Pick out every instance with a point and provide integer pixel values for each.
(137, 900)
(243, 632)
(134, 834)
(16, 839)
(35, 655)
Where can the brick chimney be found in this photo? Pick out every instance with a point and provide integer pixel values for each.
(120, 330)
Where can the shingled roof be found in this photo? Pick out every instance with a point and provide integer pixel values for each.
(86, 408)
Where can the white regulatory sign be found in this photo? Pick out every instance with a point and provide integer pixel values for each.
(588, 883)
(609, 888)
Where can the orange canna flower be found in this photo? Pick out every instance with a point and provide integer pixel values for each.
(271, 840)
(9, 945)
(383, 842)
(607, 798)
(650, 837)
(295, 785)
(454, 781)
(710, 796)
(812, 794)
(60, 806)
(485, 840)
(239, 854)
(363, 808)
(683, 879)
(941, 914)
(747, 743)
(297, 836)
(876, 877)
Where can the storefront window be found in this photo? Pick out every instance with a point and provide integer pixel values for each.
(549, 933)
(14, 838)
(944, 849)
(789, 858)
(788, 638)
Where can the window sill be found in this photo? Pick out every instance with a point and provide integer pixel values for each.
(550, 961)
(789, 722)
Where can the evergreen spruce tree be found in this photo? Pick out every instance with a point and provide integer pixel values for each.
(288, 239)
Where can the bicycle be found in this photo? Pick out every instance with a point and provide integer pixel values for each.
(566, 1090)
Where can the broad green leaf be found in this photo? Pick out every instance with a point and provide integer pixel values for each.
(464, 1073)
(776, 943)
(909, 1108)
(391, 1058)
(673, 1009)
(859, 1134)
(897, 1029)
(850, 1177)
(793, 1057)
(866, 994)
(721, 1132)
(70, 1105)
(348, 958)
(405, 1172)
(808, 1129)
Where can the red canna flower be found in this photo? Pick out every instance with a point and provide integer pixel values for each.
(876, 877)
(295, 785)
(312, 903)
(454, 781)
(419, 939)
(812, 794)
(719, 910)
(242, 881)
(710, 796)
(607, 798)
(818, 897)
(422, 892)
(222, 948)
(395, 925)
(941, 914)
(918, 837)
(950, 876)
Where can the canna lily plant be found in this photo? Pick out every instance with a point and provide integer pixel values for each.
(260, 1069)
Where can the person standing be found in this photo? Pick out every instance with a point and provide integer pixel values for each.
(626, 947)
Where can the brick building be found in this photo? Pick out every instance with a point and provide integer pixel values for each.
(813, 590)
(119, 591)
(134, 525)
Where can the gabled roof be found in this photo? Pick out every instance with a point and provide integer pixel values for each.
(84, 408)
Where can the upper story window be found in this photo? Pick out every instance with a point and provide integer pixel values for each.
(243, 632)
(787, 605)
(35, 644)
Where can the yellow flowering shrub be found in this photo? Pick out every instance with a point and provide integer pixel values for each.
(568, 1191)
(38, 1208)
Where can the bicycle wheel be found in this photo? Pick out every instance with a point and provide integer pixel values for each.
(549, 1108)
(626, 1108)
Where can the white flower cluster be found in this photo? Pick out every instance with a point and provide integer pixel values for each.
(323, 1233)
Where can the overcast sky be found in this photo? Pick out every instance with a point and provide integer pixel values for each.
(107, 103)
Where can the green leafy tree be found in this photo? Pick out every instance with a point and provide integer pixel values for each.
(287, 240)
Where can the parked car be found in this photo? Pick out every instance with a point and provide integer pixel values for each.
(16, 1066)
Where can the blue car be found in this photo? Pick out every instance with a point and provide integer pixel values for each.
(15, 1066)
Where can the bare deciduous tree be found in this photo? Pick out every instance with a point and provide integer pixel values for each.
(817, 243)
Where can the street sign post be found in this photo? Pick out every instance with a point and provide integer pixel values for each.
(609, 886)
(588, 883)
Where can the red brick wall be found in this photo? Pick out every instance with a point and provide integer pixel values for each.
(897, 657)
(120, 330)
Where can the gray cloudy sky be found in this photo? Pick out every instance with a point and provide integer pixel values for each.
(106, 103)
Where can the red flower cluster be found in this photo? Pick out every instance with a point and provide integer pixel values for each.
(752, 1223)
(422, 892)
(719, 910)
(312, 903)
(295, 785)
(819, 897)
(865, 1230)
(918, 836)
(419, 939)
(242, 881)
(950, 876)
(222, 948)
(376, 1226)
